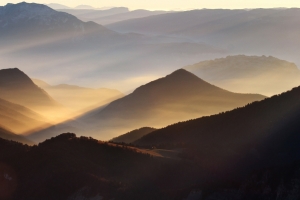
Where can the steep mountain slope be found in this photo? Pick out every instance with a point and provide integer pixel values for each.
(251, 74)
(133, 135)
(7, 135)
(79, 98)
(176, 97)
(20, 119)
(262, 133)
(17, 87)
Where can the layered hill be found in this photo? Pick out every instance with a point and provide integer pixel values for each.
(176, 97)
(18, 88)
(132, 136)
(262, 133)
(111, 15)
(8, 135)
(58, 41)
(255, 31)
(79, 98)
(39, 22)
(20, 119)
(251, 74)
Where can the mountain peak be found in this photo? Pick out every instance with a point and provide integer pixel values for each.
(14, 77)
(182, 73)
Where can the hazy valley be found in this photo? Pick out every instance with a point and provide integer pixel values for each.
(117, 103)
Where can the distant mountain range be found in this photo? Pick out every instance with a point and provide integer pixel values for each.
(111, 15)
(60, 41)
(255, 31)
(57, 6)
(253, 74)
(79, 98)
(177, 97)
(37, 22)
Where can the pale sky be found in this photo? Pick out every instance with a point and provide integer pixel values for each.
(173, 4)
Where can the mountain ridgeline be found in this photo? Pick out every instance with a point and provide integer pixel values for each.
(262, 133)
(177, 97)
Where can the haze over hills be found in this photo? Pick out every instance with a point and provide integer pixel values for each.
(92, 14)
(18, 88)
(79, 98)
(132, 136)
(8, 135)
(177, 97)
(251, 74)
(57, 6)
(255, 31)
(59, 41)
(20, 119)
(111, 15)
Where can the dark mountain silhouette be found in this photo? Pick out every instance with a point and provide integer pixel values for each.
(263, 133)
(20, 119)
(67, 167)
(17, 87)
(278, 182)
(40, 19)
(176, 97)
(253, 74)
(8, 135)
(133, 135)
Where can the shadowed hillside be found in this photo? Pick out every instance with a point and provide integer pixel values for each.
(133, 135)
(251, 74)
(262, 133)
(67, 167)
